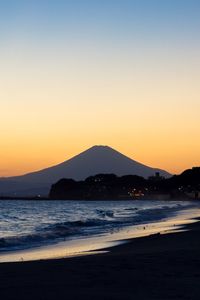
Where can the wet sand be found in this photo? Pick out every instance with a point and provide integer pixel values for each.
(155, 267)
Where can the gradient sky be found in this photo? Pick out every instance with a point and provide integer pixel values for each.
(76, 73)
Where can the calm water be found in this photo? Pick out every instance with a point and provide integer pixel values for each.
(27, 224)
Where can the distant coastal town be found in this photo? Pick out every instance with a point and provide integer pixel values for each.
(111, 187)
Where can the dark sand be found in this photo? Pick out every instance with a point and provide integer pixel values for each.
(155, 267)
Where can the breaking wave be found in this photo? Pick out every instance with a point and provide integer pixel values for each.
(32, 224)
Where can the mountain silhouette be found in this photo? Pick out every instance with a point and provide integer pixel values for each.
(97, 159)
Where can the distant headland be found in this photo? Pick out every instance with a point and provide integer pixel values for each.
(111, 187)
(102, 173)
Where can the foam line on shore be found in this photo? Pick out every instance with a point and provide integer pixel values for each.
(96, 244)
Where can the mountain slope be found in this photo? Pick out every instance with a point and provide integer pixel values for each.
(97, 159)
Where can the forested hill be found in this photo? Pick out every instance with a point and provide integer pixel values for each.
(110, 186)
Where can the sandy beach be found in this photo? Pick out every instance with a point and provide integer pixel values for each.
(155, 267)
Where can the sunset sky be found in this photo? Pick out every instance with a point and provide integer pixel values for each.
(78, 73)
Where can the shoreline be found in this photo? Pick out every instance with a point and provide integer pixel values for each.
(103, 242)
(153, 267)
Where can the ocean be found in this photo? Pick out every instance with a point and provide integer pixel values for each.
(34, 224)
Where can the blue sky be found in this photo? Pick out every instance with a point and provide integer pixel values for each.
(117, 17)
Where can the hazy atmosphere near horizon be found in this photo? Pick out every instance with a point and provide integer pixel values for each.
(74, 74)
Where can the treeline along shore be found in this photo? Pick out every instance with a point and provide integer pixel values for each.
(111, 187)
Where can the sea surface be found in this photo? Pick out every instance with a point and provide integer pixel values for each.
(29, 224)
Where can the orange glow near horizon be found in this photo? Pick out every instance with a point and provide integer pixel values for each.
(155, 122)
(18, 163)
(158, 126)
